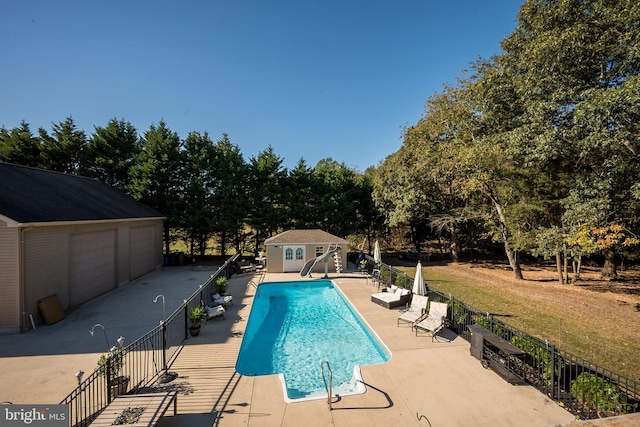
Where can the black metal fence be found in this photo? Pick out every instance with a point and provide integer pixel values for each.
(585, 389)
(138, 365)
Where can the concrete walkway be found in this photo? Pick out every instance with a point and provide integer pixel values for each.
(424, 384)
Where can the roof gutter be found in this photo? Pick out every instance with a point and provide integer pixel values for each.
(14, 224)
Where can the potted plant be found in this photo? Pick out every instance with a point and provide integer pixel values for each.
(221, 285)
(196, 317)
(112, 364)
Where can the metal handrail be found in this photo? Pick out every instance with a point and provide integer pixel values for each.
(93, 394)
(330, 387)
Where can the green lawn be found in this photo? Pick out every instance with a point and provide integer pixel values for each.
(544, 321)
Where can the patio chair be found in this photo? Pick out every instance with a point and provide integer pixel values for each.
(434, 321)
(213, 312)
(222, 300)
(415, 311)
(375, 277)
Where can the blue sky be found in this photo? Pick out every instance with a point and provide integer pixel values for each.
(312, 79)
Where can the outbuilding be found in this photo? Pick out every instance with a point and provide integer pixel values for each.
(67, 237)
(289, 251)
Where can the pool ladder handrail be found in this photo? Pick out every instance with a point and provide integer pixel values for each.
(330, 387)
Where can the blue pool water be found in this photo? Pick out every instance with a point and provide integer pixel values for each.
(295, 326)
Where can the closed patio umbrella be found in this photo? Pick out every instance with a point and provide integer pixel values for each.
(419, 287)
(377, 257)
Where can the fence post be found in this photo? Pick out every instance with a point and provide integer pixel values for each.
(186, 320)
(108, 377)
(164, 346)
(453, 325)
(553, 369)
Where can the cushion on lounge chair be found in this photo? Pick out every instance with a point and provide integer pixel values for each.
(392, 299)
(222, 299)
(213, 312)
(434, 321)
(415, 311)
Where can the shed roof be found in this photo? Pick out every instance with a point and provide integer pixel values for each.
(304, 236)
(30, 195)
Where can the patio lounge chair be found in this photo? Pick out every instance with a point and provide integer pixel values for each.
(415, 311)
(213, 312)
(222, 300)
(434, 321)
(395, 297)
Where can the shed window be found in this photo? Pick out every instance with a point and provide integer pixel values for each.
(299, 254)
(319, 250)
(288, 254)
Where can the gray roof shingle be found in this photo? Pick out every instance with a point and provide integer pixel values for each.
(30, 195)
(304, 236)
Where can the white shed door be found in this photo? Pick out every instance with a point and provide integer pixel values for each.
(92, 265)
(141, 250)
(293, 258)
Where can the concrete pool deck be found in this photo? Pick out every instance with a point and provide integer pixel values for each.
(424, 384)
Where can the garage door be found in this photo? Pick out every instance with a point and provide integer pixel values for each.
(141, 250)
(92, 265)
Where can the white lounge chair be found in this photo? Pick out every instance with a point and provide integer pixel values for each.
(434, 321)
(213, 312)
(415, 311)
(222, 299)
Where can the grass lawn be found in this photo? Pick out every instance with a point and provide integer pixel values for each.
(602, 327)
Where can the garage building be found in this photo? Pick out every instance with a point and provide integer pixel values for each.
(68, 236)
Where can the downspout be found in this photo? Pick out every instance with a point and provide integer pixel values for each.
(21, 267)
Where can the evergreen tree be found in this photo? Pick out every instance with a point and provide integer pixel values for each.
(111, 152)
(156, 176)
(19, 146)
(62, 151)
(267, 177)
(197, 218)
(228, 200)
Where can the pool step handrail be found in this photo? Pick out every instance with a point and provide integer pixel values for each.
(328, 387)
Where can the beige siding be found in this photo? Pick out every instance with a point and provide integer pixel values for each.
(275, 257)
(9, 280)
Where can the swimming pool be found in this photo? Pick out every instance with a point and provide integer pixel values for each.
(295, 326)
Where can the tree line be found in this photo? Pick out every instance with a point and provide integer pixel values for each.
(536, 147)
(205, 188)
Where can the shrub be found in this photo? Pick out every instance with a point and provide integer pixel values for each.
(539, 358)
(593, 391)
